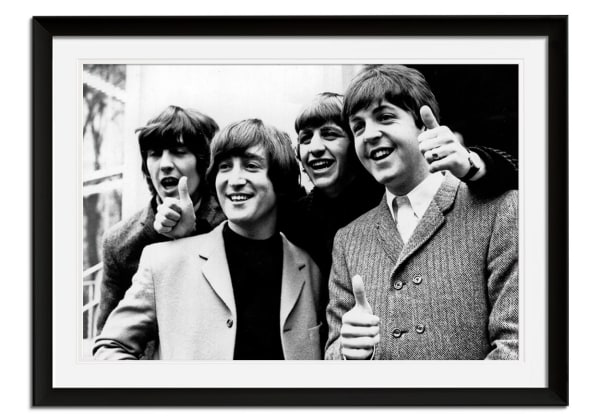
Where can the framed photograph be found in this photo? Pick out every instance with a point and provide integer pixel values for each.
(103, 87)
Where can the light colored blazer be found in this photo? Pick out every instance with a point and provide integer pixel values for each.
(123, 244)
(182, 294)
(450, 293)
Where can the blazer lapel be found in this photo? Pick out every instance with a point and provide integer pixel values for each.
(387, 232)
(216, 269)
(432, 220)
(292, 281)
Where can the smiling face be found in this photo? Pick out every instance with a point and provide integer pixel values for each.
(246, 193)
(385, 139)
(166, 166)
(324, 153)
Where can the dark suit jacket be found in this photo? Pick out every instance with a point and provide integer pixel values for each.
(182, 294)
(123, 244)
(451, 292)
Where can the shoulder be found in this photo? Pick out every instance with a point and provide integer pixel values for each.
(177, 247)
(299, 255)
(506, 200)
(363, 222)
(125, 231)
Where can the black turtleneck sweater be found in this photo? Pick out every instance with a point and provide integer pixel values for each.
(256, 268)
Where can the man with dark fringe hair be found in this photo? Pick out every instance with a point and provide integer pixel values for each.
(175, 151)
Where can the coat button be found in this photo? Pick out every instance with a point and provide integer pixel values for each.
(398, 284)
(417, 279)
(420, 329)
(397, 333)
(229, 323)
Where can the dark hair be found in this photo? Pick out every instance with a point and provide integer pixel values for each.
(325, 107)
(399, 85)
(237, 138)
(174, 127)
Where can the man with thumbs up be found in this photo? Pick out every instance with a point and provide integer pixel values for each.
(239, 292)
(360, 328)
(437, 265)
(175, 150)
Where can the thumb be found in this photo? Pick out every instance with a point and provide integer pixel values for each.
(428, 118)
(183, 189)
(358, 289)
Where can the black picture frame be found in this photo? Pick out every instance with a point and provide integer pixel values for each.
(554, 28)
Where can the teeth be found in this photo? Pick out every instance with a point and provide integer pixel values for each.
(239, 197)
(321, 164)
(380, 153)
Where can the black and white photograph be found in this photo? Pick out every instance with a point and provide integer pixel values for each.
(300, 211)
(281, 212)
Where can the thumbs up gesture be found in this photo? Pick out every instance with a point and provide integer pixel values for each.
(360, 328)
(175, 217)
(442, 148)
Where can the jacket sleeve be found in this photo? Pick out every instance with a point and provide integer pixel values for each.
(502, 172)
(132, 324)
(341, 298)
(503, 281)
(112, 286)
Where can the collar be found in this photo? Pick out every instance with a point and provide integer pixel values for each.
(421, 196)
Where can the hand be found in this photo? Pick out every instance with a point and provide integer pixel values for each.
(441, 148)
(175, 218)
(360, 328)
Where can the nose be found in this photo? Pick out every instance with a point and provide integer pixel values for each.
(166, 161)
(371, 133)
(317, 146)
(237, 177)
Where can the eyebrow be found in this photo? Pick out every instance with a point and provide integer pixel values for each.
(256, 156)
(378, 108)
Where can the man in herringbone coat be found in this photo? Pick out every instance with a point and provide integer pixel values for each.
(438, 265)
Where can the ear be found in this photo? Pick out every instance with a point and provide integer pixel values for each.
(297, 149)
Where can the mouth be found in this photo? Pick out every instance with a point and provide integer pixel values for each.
(380, 153)
(320, 164)
(239, 197)
(169, 182)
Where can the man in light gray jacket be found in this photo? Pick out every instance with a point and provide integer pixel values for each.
(239, 292)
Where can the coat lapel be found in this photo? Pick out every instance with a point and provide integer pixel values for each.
(387, 232)
(216, 269)
(432, 220)
(292, 282)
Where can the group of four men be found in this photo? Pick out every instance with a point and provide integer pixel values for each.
(390, 256)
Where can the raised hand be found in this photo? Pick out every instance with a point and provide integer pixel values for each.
(175, 217)
(360, 328)
(441, 147)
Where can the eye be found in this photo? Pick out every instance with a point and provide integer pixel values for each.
(330, 134)
(253, 166)
(179, 150)
(305, 138)
(154, 153)
(386, 116)
(357, 127)
(224, 166)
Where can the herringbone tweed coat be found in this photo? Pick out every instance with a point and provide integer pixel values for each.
(450, 293)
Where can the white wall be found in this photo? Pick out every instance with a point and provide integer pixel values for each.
(227, 93)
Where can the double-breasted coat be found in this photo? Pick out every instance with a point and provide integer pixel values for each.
(451, 292)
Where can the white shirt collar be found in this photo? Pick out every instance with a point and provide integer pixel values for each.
(421, 196)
